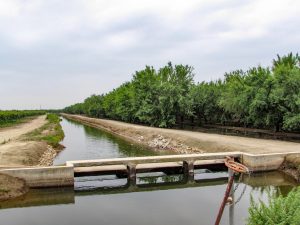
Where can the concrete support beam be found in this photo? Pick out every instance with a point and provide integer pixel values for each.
(57, 176)
(188, 168)
(131, 174)
(153, 159)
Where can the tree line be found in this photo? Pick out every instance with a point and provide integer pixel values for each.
(261, 97)
(12, 116)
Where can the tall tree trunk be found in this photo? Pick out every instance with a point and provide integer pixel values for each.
(181, 121)
(199, 119)
(277, 127)
(192, 121)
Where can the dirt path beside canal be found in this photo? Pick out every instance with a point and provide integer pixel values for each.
(16, 151)
(182, 141)
(12, 133)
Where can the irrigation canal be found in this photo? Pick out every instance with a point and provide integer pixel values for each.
(157, 199)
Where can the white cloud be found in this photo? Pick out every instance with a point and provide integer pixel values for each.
(68, 39)
(9, 8)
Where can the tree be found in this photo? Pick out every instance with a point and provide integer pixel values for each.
(259, 97)
(286, 96)
(205, 98)
(92, 106)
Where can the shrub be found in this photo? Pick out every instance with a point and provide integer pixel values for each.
(280, 210)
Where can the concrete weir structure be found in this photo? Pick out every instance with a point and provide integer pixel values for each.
(39, 177)
(58, 176)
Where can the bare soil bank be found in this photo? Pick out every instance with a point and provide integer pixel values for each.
(11, 187)
(291, 166)
(21, 153)
(14, 151)
(187, 141)
(27, 145)
(12, 133)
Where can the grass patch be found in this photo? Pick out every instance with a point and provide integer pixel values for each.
(280, 210)
(51, 132)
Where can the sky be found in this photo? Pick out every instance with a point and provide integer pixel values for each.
(55, 53)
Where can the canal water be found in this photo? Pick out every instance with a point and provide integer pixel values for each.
(157, 199)
(84, 142)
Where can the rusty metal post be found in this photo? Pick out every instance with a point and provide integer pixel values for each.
(227, 194)
(231, 207)
(231, 174)
(233, 167)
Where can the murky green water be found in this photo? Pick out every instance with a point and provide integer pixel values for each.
(157, 199)
(84, 142)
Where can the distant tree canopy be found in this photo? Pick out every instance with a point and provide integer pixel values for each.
(259, 97)
(9, 117)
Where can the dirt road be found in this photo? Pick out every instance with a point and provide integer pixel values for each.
(188, 141)
(15, 152)
(12, 133)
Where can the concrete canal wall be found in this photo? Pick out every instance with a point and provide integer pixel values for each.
(264, 162)
(38, 177)
(58, 176)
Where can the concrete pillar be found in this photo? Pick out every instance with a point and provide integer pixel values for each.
(188, 168)
(131, 174)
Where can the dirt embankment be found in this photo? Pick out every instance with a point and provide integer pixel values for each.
(187, 141)
(32, 144)
(21, 153)
(35, 143)
(12, 133)
(291, 166)
(14, 151)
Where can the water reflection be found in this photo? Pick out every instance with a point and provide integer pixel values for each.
(170, 199)
(108, 184)
(42, 197)
(125, 148)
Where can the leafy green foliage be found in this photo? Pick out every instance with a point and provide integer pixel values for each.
(280, 210)
(260, 97)
(53, 118)
(11, 117)
(205, 97)
(51, 132)
(154, 97)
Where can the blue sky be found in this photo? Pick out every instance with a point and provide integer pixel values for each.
(55, 53)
